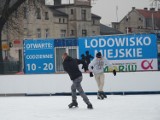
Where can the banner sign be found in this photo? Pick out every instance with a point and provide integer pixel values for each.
(39, 56)
(61, 42)
(126, 52)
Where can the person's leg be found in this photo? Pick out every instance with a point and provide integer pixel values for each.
(74, 97)
(101, 80)
(77, 84)
(73, 92)
(97, 78)
(102, 76)
(100, 85)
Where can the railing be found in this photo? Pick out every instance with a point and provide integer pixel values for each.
(11, 67)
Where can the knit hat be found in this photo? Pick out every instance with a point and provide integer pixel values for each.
(99, 55)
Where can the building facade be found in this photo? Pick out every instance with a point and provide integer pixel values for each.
(49, 21)
(139, 21)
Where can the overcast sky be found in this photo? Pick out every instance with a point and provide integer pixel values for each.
(107, 8)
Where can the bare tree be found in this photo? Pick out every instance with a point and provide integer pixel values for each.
(7, 8)
(155, 3)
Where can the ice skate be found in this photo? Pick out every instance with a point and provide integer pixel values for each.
(89, 106)
(73, 104)
(100, 96)
(104, 95)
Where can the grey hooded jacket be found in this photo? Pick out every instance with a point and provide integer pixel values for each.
(97, 65)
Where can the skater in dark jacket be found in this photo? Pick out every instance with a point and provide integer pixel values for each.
(70, 65)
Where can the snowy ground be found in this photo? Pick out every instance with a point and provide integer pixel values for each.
(137, 107)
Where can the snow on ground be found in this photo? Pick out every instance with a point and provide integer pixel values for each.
(136, 107)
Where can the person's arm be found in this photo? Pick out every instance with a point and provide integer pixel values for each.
(91, 65)
(110, 65)
(83, 63)
(65, 66)
(91, 56)
(106, 62)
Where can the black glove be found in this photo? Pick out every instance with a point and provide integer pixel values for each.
(114, 72)
(92, 67)
(82, 67)
(91, 74)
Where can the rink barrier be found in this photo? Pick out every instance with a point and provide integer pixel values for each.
(95, 93)
(88, 93)
(59, 84)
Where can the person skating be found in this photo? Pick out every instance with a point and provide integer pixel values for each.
(97, 67)
(88, 57)
(70, 65)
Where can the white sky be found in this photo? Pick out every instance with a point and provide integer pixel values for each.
(107, 8)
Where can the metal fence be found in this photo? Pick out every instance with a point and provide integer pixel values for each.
(11, 67)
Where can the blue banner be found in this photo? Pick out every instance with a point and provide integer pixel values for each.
(39, 56)
(120, 47)
(61, 42)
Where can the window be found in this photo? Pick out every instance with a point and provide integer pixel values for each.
(63, 20)
(72, 32)
(59, 20)
(93, 33)
(46, 16)
(83, 14)
(39, 33)
(140, 27)
(59, 51)
(71, 11)
(38, 13)
(94, 22)
(25, 13)
(46, 33)
(128, 30)
(63, 33)
(72, 52)
(148, 22)
(84, 32)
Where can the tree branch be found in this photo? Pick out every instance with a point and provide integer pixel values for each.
(4, 13)
(15, 6)
(8, 10)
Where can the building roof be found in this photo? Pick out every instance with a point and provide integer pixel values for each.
(95, 16)
(148, 13)
(105, 30)
(57, 12)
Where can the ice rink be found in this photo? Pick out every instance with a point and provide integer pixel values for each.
(115, 107)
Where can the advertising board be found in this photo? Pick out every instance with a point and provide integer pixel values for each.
(39, 56)
(134, 52)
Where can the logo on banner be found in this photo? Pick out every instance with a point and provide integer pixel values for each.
(146, 64)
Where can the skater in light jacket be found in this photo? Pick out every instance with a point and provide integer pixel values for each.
(97, 67)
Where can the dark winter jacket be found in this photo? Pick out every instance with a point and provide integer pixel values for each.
(70, 65)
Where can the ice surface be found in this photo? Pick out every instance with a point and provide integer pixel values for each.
(136, 107)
